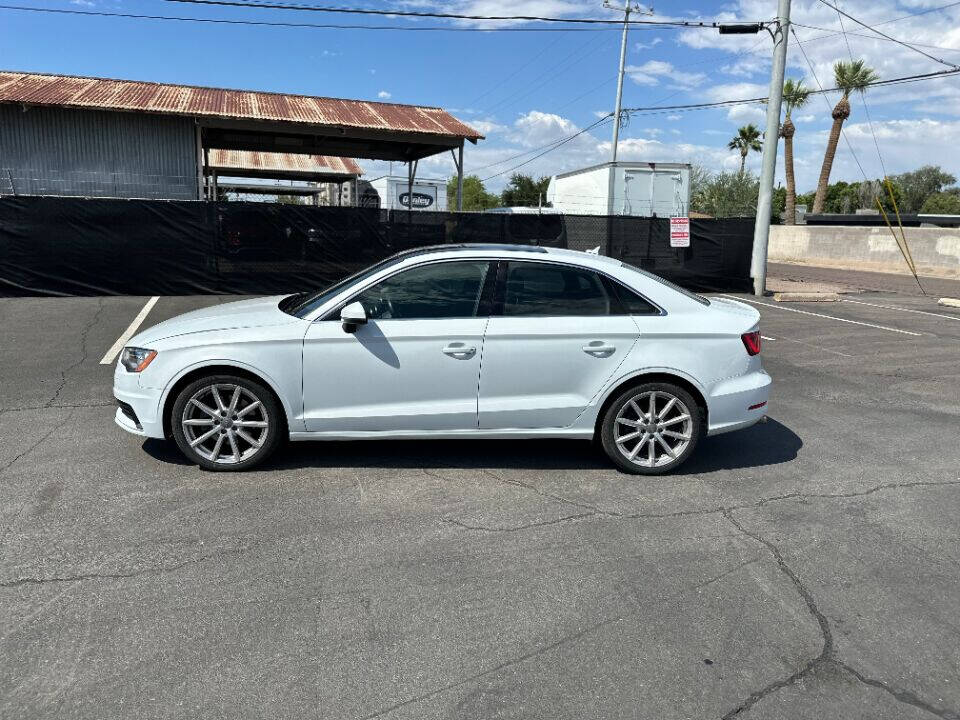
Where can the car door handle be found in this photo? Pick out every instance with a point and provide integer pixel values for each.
(459, 350)
(599, 348)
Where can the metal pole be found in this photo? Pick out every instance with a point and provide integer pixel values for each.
(460, 179)
(761, 230)
(623, 59)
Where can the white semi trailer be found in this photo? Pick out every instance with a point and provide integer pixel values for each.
(428, 193)
(642, 189)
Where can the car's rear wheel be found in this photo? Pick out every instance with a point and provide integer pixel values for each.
(226, 422)
(651, 429)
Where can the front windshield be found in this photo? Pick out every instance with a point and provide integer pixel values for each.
(303, 304)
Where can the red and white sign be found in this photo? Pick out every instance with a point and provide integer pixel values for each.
(679, 232)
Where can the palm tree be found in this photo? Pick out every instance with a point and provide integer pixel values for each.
(746, 139)
(854, 75)
(795, 95)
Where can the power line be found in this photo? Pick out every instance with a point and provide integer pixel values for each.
(863, 99)
(541, 147)
(556, 146)
(744, 101)
(322, 26)
(823, 93)
(303, 7)
(568, 61)
(888, 37)
(833, 33)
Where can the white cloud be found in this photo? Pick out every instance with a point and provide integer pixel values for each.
(804, 118)
(538, 128)
(735, 91)
(673, 117)
(487, 127)
(653, 71)
(384, 95)
(740, 114)
(647, 46)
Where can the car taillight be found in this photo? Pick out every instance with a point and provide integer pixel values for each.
(751, 341)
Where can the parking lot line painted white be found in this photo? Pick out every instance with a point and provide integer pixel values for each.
(128, 333)
(816, 347)
(893, 307)
(828, 317)
(764, 337)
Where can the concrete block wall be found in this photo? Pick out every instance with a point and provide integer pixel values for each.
(935, 251)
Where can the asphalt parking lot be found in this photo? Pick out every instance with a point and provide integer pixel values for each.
(805, 568)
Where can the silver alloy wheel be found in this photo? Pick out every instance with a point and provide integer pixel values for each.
(225, 423)
(653, 428)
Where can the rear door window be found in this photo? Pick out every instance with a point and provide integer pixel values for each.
(547, 290)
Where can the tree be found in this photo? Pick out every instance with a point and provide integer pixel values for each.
(920, 184)
(523, 190)
(848, 77)
(942, 203)
(475, 196)
(778, 202)
(795, 95)
(727, 195)
(843, 197)
(746, 139)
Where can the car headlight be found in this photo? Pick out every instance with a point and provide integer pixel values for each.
(136, 359)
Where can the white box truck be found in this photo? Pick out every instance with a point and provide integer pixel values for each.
(642, 189)
(428, 193)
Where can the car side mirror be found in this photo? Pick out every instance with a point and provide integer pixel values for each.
(352, 317)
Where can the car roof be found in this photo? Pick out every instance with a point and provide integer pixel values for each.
(507, 250)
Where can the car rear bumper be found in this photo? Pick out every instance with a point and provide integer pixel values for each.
(738, 403)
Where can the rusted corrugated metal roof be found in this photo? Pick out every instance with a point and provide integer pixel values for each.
(284, 162)
(106, 94)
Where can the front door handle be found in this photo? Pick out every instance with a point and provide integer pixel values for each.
(599, 348)
(459, 350)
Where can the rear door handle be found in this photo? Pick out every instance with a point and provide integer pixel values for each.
(599, 348)
(459, 350)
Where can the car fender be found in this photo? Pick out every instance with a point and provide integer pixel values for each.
(294, 422)
(589, 415)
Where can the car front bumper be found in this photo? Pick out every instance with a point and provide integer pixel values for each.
(141, 416)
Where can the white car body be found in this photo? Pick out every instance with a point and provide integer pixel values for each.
(401, 378)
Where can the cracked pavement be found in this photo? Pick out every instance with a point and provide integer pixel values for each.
(805, 568)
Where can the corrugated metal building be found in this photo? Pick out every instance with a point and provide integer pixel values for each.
(56, 151)
(64, 135)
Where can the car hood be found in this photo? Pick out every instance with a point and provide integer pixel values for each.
(259, 312)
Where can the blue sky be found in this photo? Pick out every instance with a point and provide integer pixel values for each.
(525, 90)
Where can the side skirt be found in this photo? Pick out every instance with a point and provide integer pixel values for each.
(507, 434)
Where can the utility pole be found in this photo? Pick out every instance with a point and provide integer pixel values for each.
(761, 230)
(623, 59)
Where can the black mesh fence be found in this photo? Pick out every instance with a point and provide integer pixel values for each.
(75, 246)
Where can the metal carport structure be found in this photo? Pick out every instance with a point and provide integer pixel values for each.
(276, 166)
(260, 121)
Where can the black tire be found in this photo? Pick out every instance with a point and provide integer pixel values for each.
(243, 453)
(670, 420)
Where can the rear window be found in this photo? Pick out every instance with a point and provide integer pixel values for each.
(673, 286)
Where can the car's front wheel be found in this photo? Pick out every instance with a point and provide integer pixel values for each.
(226, 422)
(651, 429)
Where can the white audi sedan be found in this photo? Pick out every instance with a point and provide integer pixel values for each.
(454, 341)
